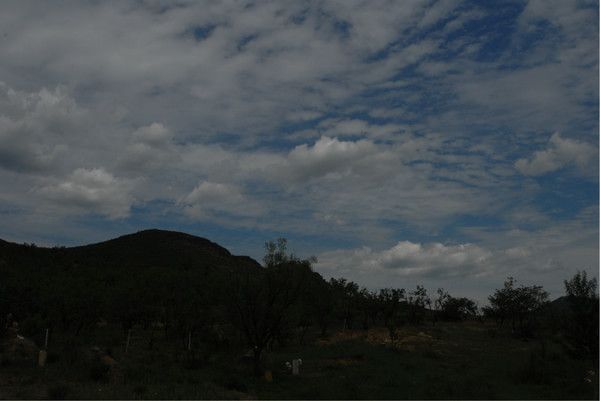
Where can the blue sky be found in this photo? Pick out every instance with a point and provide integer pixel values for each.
(449, 143)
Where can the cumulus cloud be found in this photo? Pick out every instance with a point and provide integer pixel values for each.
(413, 259)
(35, 128)
(93, 191)
(560, 153)
(550, 254)
(211, 197)
(155, 134)
(327, 155)
(151, 148)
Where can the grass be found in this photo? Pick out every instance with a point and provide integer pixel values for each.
(449, 361)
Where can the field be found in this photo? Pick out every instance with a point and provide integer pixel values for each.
(470, 360)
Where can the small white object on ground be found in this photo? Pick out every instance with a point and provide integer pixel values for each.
(296, 366)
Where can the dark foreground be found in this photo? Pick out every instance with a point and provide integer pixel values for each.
(469, 360)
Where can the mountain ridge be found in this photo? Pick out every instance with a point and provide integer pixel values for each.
(151, 247)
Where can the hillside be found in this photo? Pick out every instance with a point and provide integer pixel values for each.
(138, 278)
(144, 249)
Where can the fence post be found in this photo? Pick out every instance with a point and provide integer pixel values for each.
(43, 354)
(128, 339)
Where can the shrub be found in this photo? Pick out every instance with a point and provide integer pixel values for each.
(98, 371)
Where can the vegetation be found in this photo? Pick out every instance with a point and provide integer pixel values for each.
(167, 315)
(521, 305)
(581, 324)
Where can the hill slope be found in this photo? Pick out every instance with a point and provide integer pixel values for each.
(142, 277)
(144, 249)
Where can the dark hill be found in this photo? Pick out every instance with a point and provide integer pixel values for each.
(160, 248)
(138, 278)
(144, 249)
(561, 305)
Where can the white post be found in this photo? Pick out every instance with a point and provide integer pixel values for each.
(189, 340)
(295, 367)
(42, 356)
(128, 338)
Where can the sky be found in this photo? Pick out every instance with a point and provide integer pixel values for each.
(444, 143)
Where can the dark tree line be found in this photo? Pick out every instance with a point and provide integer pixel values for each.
(581, 327)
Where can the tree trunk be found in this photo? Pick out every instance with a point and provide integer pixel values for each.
(257, 362)
(303, 331)
(323, 326)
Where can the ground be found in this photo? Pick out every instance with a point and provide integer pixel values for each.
(468, 360)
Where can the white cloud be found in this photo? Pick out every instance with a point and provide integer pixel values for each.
(546, 255)
(151, 149)
(412, 259)
(90, 191)
(36, 128)
(259, 66)
(209, 198)
(155, 134)
(560, 153)
(327, 155)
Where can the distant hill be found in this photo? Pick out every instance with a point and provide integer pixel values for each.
(561, 304)
(144, 249)
(149, 275)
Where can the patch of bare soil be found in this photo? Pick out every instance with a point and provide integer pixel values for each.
(406, 339)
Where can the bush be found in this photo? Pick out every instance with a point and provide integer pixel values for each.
(34, 327)
(98, 371)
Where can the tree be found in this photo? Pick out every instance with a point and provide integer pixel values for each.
(369, 308)
(581, 327)
(316, 305)
(390, 301)
(346, 294)
(579, 287)
(453, 309)
(260, 301)
(438, 304)
(519, 304)
(418, 301)
(459, 308)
